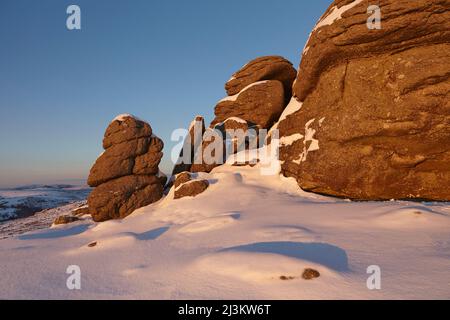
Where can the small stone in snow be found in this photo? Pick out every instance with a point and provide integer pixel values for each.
(284, 278)
(92, 244)
(310, 274)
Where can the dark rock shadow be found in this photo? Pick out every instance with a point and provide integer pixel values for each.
(235, 216)
(322, 253)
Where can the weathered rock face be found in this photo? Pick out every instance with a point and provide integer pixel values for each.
(258, 94)
(263, 68)
(148, 162)
(118, 198)
(260, 103)
(185, 186)
(193, 142)
(80, 211)
(125, 128)
(119, 160)
(126, 175)
(374, 121)
(212, 153)
(239, 134)
(181, 178)
(225, 139)
(405, 25)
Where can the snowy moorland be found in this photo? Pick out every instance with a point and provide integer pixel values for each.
(40, 220)
(235, 241)
(25, 201)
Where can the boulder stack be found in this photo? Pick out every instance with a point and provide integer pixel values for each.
(263, 68)
(258, 94)
(260, 103)
(372, 115)
(126, 176)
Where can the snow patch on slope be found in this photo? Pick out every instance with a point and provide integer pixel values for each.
(235, 241)
(234, 97)
(336, 14)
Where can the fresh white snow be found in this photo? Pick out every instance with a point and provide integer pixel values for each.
(305, 51)
(293, 106)
(309, 137)
(236, 119)
(122, 117)
(287, 141)
(336, 14)
(234, 97)
(306, 47)
(234, 241)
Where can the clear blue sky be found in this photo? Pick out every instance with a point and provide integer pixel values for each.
(164, 61)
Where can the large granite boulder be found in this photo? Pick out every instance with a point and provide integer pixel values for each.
(118, 198)
(373, 115)
(118, 160)
(260, 103)
(263, 68)
(125, 127)
(126, 176)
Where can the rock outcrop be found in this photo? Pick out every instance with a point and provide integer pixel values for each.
(258, 94)
(373, 115)
(260, 103)
(65, 220)
(224, 139)
(80, 211)
(126, 176)
(192, 143)
(263, 68)
(186, 186)
(212, 153)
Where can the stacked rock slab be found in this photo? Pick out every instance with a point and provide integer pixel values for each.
(258, 92)
(257, 95)
(373, 121)
(126, 176)
(263, 68)
(260, 103)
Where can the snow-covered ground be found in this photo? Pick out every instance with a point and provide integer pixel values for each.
(40, 220)
(24, 201)
(235, 241)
